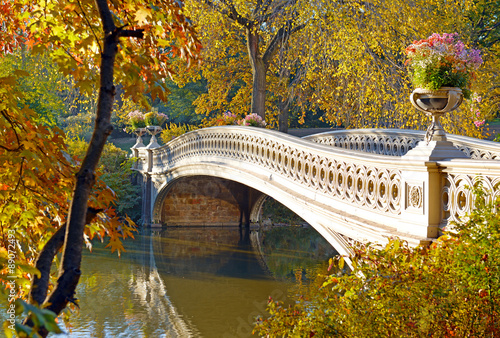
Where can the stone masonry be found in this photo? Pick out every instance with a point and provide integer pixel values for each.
(200, 200)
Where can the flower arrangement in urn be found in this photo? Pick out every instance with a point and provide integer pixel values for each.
(442, 61)
(253, 120)
(154, 118)
(441, 68)
(136, 120)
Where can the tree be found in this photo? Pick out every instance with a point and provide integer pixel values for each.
(238, 54)
(450, 289)
(42, 87)
(137, 58)
(359, 78)
(346, 64)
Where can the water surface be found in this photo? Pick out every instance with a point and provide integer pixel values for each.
(191, 282)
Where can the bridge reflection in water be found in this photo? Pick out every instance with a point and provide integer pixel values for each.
(191, 282)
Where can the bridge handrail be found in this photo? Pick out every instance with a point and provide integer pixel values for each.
(397, 142)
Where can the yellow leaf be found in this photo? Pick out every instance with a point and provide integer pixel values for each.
(142, 14)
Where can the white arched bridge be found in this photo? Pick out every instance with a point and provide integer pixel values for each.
(361, 185)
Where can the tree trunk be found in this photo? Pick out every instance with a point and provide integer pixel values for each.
(69, 273)
(259, 70)
(283, 120)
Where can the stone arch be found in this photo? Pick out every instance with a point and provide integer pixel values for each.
(254, 199)
(256, 210)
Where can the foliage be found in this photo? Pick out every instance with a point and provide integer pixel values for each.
(116, 169)
(442, 61)
(253, 120)
(226, 119)
(76, 49)
(55, 99)
(49, 207)
(42, 318)
(450, 289)
(179, 106)
(175, 130)
(37, 179)
(241, 40)
(347, 63)
(42, 85)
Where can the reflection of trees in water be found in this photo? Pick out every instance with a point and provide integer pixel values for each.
(285, 249)
(125, 297)
(222, 251)
(151, 292)
(214, 276)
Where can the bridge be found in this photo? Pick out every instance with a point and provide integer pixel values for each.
(350, 185)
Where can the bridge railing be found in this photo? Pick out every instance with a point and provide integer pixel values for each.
(365, 177)
(397, 142)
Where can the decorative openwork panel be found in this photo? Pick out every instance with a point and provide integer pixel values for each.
(392, 145)
(478, 153)
(457, 197)
(376, 187)
(396, 142)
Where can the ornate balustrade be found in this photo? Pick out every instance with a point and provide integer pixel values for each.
(346, 177)
(458, 176)
(364, 187)
(397, 142)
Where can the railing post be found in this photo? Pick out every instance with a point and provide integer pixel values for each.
(147, 191)
(422, 187)
(145, 170)
(421, 200)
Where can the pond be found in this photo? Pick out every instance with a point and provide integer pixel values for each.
(191, 282)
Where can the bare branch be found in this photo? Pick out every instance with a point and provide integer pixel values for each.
(283, 34)
(230, 12)
(90, 26)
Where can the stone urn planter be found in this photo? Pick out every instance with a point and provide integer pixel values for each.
(139, 132)
(436, 103)
(153, 130)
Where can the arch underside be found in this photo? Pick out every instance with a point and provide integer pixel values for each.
(325, 219)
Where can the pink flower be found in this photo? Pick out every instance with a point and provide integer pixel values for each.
(479, 123)
(228, 114)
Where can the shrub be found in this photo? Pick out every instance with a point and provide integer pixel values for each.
(450, 289)
(175, 130)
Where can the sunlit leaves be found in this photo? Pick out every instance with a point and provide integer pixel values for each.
(73, 34)
(347, 64)
(450, 289)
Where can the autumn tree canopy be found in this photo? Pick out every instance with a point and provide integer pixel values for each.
(241, 40)
(44, 206)
(345, 60)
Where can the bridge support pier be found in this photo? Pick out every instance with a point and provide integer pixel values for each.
(146, 199)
